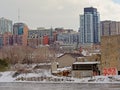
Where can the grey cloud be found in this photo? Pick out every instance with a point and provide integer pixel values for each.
(56, 13)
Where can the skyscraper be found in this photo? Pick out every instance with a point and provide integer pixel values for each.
(5, 25)
(89, 26)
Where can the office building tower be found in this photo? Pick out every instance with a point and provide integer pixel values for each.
(90, 26)
(5, 25)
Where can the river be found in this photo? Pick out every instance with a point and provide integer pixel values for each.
(57, 86)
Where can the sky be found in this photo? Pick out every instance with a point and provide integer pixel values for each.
(56, 13)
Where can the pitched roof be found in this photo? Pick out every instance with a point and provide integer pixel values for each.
(74, 55)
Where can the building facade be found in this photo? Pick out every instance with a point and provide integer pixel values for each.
(85, 69)
(40, 36)
(68, 38)
(1, 40)
(20, 34)
(5, 25)
(109, 28)
(7, 39)
(89, 26)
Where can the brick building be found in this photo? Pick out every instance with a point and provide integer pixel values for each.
(7, 39)
(40, 36)
(20, 34)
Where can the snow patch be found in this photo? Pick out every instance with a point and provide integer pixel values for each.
(47, 77)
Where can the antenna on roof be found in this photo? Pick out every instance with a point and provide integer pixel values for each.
(18, 15)
(89, 3)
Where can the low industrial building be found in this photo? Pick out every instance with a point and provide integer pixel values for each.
(85, 69)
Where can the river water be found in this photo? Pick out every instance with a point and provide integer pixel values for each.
(57, 86)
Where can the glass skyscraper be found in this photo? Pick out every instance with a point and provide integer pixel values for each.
(5, 25)
(90, 26)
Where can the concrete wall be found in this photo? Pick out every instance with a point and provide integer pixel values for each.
(54, 67)
(65, 60)
(110, 52)
(82, 73)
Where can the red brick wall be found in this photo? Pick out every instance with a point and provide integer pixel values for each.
(45, 40)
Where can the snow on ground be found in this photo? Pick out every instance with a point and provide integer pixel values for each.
(63, 69)
(59, 55)
(7, 77)
(39, 73)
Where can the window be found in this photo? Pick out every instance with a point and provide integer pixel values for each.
(82, 67)
(118, 72)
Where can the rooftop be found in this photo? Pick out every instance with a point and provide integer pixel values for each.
(86, 63)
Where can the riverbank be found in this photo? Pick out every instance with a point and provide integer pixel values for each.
(46, 77)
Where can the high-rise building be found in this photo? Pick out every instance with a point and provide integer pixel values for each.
(89, 26)
(109, 28)
(5, 25)
(20, 34)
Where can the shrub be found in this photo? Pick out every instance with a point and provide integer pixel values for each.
(4, 63)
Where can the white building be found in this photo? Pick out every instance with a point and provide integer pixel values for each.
(5, 25)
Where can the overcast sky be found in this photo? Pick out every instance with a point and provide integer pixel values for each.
(56, 13)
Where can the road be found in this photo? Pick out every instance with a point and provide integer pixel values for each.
(57, 86)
